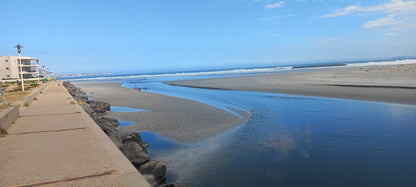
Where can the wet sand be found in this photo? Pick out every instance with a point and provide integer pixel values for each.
(179, 119)
(392, 84)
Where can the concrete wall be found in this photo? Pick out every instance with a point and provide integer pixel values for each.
(9, 116)
(28, 100)
(8, 67)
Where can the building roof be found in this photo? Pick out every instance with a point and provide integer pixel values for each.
(23, 57)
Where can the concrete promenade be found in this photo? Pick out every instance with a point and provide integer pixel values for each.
(55, 143)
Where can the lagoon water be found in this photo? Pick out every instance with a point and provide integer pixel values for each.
(292, 141)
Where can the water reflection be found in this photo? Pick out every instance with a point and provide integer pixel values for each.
(398, 111)
(124, 123)
(125, 109)
(299, 141)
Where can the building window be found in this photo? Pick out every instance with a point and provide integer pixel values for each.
(7, 68)
(6, 60)
(8, 75)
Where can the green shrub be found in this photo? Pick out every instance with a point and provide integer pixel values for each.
(34, 84)
(4, 131)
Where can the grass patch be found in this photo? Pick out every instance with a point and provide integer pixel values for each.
(34, 85)
(14, 93)
(72, 102)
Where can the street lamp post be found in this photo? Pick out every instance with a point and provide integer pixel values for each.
(2, 96)
(37, 63)
(19, 47)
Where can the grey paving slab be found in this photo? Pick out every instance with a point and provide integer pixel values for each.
(42, 123)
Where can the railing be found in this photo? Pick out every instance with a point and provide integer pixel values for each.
(28, 65)
(29, 72)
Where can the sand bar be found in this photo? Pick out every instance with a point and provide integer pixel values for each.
(179, 119)
(393, 84)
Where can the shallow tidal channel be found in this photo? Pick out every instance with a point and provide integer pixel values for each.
(293, 141)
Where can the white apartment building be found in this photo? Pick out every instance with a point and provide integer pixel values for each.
(10, 68)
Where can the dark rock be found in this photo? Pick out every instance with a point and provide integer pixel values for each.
(156, 168)
(151, 180)
(144, 145)
(135, 153)
(131, 137)
(100, 107)
(91, 102)
(111, 121)
(134, 137)
(80, 97)
(108, 125)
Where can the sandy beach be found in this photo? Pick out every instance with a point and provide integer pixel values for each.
(392, 84)
(179, 119)
(191, 121)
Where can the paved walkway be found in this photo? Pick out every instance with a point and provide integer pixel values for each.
(54, 142)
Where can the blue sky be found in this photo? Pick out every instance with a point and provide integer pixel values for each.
(157, 35)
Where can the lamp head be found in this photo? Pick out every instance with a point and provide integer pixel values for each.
(19, 47)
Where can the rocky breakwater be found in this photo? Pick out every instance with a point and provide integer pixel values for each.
(130, 143)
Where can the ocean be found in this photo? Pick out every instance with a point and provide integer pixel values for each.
(288, 140)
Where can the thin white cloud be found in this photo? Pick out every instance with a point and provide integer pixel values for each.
(271, 34)
(273, 18)
(326, 39)
(399, 14)
(343, 12)
(274, 5)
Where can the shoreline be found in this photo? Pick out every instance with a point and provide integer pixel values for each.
(391, 84)
(182, 120)
(128, 142)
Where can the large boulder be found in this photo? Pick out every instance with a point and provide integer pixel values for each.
(80, 97)
(134, 137)
(135, 153)
(131, 137)
(100, 107)
(156, 168)
(108, 125)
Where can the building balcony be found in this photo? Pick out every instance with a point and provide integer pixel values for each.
(28, 65)
(29, 72)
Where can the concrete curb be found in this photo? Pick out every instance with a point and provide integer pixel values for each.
(131, 176)
(9, 116)
(28, 100)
